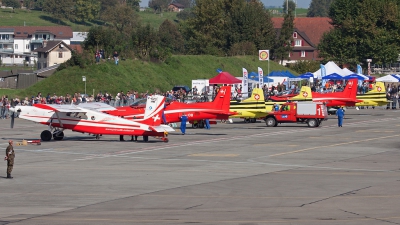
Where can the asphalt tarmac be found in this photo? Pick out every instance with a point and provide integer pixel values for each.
(239, 173)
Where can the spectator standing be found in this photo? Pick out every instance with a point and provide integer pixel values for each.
(116, 57)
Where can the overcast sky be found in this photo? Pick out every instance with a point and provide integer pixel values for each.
(300, 3)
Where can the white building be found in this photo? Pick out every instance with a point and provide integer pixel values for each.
(17, 43)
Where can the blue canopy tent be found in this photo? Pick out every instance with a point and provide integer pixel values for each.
(306, 75)
(281, 74)
(354, 76)
(254, 76)
(333, 76)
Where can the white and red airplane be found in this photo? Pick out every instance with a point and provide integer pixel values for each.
(86, 118)
(218, 109)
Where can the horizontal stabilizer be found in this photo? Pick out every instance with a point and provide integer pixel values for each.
(162, 128)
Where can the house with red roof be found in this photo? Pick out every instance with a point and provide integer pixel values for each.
(176, 7)
(17, 43)
(307, 34)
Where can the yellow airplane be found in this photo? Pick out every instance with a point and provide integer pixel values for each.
(375, 97)
(256, 107)
(251, 108)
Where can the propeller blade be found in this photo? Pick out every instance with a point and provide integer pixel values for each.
(12, 120)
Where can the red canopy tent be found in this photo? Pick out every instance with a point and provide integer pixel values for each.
(224, 78)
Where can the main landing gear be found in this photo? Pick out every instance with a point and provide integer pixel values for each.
(55, 133)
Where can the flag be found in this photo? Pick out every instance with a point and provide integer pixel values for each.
(323, 74)
(260, 78)
(359, 69)
(245, 84)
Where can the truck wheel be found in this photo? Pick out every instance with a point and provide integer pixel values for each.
(319, 122)
(312, 123)
(271, 122)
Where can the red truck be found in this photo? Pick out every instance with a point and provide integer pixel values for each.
(312, 113)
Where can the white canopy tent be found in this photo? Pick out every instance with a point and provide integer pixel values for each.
(330, 68)
(389, 78)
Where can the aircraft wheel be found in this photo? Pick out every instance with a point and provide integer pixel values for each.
(247, 120)
(97, 136)
(312, 123)
(271, 122)
(58, 136)
(46, 135)
(165, 140)
(253, 120)
(195, 125)
(145, 138)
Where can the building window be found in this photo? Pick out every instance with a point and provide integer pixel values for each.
(294, 34)
(303, 53)
(39, 66)
(39, 55)
(16, 46)
(45, 55)
(44, 65)
(298, 42)
(27, 46)
(5, 37)
(60, 55)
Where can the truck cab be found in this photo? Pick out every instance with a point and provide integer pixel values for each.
(312, 113)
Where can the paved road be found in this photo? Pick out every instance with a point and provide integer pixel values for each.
(244, 174)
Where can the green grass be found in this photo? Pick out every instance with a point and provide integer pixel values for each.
(142, 76)
(155, 20)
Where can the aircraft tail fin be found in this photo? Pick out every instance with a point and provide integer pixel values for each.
(304, 95)
(256, 95)
(350, 91)
(154, 110)
(379, 87)
(223, 98)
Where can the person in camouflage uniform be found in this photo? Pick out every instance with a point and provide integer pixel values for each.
(10, 155)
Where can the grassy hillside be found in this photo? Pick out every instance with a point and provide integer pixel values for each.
(23, 17)
(142, 76)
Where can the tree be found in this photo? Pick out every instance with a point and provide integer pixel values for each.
(285, 38)
(319, 8)
(291, 3)
(170, 37)
(362, 29)
(86, 10)
(60, 9)
(145, 41)
(122, 18)
(159, 5)
(12, 3)
(217, 25)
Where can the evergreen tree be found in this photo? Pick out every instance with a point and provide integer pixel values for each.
(290, 3)
(319, 8)
(362, 29)
(285, 38)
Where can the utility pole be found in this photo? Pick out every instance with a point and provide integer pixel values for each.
(287, 6)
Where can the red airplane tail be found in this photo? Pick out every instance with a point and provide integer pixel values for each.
(154, 110)
(223, 98)
(350, 91)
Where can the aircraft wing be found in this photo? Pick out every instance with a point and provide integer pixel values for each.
(60, 108)
(162, 128)
(97, 106)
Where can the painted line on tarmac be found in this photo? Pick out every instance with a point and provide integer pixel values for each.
(333, 145)
(156, 148)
